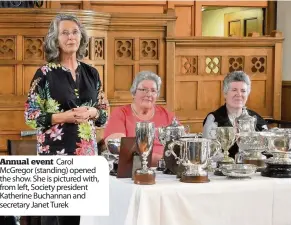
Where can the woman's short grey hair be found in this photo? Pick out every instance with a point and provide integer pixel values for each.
(145, 75)
(234, 77)
(51, 43)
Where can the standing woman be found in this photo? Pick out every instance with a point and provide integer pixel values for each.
(65, 101)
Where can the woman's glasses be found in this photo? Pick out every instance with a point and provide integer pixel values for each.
(66, 33)
(146, 91)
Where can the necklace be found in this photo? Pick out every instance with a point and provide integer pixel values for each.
(136, 114)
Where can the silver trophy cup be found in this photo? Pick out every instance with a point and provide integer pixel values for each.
(194, 155)
(145, 134)
(226, 137)
(251, 145)
(280, 147)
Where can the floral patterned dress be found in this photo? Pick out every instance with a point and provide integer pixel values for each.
(53, 90)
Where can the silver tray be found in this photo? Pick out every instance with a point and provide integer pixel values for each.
(238, 170)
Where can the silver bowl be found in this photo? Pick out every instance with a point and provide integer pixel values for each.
(238, 170)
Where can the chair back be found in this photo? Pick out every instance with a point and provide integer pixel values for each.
(278, 123)
(21, 147)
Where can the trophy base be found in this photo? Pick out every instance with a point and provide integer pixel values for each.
(113, 172)
(258, 162)
(144, 179)
(194, 179)
(160, 169)
(180, 170)
(218, 171)
(161, 165)
(277, 171)
(168, 171)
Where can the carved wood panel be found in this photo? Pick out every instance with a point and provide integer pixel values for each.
(7, 47)
(140, 51)
(149, 49)
(189, 65)
(206, 86)
(235, 63)
(99, 48)
(87, 55)
(259, 64)
(213, 65)
(123, 49)
(33, 48)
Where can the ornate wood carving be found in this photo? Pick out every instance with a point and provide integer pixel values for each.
(259, 64)
(7, 48)
(213, 65)
(235, 63)
(149, 49)
(123, 49)
(99, 48)
(189, 65)
(33, 48)
(86, 56)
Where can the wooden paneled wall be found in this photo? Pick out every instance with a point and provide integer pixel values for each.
(189, 13)
(200, 65)
(121, 44)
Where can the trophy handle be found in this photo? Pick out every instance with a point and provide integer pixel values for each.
(187, 129)
(236, 136)
(217, 148)
(170, 150)
(238, 158)
(160, 132)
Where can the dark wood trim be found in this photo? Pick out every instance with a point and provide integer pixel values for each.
(286, 100)
(270, 22)
(286, 83)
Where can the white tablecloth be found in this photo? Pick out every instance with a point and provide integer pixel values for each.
(222, 201)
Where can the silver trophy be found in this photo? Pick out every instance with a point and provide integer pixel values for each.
(251, 145)
(280, 146)
(279, 165)
(111, 154)
(145, 134)
(165, 135)
(226, 137)
(194, 155)
(245, 122)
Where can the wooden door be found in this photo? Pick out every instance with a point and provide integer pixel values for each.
(243, 22)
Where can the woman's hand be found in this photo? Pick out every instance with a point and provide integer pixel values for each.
(76, 115)
(64, 117)
(83, 114)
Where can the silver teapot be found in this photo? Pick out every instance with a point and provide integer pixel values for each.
(245, 122)
(165, 135)
(171, 132)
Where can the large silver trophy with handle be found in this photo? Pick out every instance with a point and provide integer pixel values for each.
(145, 135)
(251, 145)
(194, 155)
